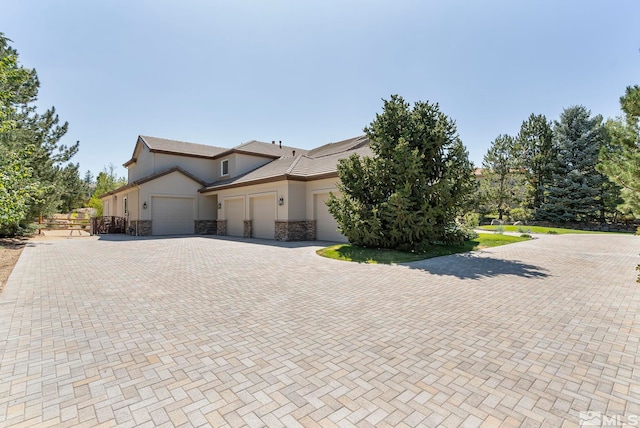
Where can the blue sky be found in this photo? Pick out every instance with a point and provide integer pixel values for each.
(313, 72)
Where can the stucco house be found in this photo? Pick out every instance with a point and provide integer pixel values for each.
(256, 189)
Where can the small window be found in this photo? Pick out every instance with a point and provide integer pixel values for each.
(125, 206)
(224, 167)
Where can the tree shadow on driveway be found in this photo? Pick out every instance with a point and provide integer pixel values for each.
(477, 266)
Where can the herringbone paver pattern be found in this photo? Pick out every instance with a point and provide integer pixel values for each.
(212, 332)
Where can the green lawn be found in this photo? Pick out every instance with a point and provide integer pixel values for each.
(538, 229)
(352, 253)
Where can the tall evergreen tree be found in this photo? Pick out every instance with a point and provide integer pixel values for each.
(502, 186)
(76, 190)
(411, 191)
(575, 193)
(534, 145)
(620, 159)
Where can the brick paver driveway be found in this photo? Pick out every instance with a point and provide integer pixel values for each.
(195, 331)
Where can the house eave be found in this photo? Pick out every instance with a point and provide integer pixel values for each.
(167, 152)
(282, 177)
(130, 162)
(154, 177)
(244, 152)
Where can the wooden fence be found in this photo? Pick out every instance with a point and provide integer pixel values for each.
(45, 223)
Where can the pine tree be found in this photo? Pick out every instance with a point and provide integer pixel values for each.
(502, 186)
(534, 145)
(575, 193)
(620, 159)
(411, 191)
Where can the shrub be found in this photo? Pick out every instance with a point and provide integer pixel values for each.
(21, 229)
(471, 219)
(523, 230)
(499, 229)
(525, 235)
(459, 233)
(521, 214)
(552, 232)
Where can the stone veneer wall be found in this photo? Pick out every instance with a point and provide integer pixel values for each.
(302, 230)
(206, 227)
(143, 227)
(221, 227)
(248, 226)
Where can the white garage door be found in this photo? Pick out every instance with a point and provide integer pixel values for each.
(326, 225)
(263, 212)
(172, 216)
(234, 213)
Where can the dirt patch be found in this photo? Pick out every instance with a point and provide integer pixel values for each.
(10, 250)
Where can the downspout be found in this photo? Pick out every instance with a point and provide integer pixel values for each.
(139, 209)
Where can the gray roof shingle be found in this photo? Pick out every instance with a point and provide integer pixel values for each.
(180, 147)
(265, 149)
(338, 147)
(308, 166)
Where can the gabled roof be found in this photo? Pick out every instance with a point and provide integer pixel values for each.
(154, 177)
(260, 148)
(174, 147)
(183, 148)
(301, 167)
(162, 145)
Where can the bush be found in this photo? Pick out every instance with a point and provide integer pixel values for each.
(499, 229)
(96, 204)
(552, 232)
(458, 233)
(525, 235)
(521, 214)
(22, 229)
(471, 219)
(523, 230)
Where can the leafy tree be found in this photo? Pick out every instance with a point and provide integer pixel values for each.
(106, 181)
(502, 186)
(23, 130)
(410, 192)
(18, 190)
(620, 159)
(577, 191)
(534, 145)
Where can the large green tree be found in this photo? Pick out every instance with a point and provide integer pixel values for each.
(577, 192)
(31, 141)
(502, 185)
(106, 181)
(18, 189)
(534, 148)
(410, 192)
(620, 159)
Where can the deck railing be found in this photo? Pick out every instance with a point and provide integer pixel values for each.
(108, 224)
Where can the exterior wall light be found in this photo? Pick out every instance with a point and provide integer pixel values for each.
(144, 205)
(219, 205)
(281, 200)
